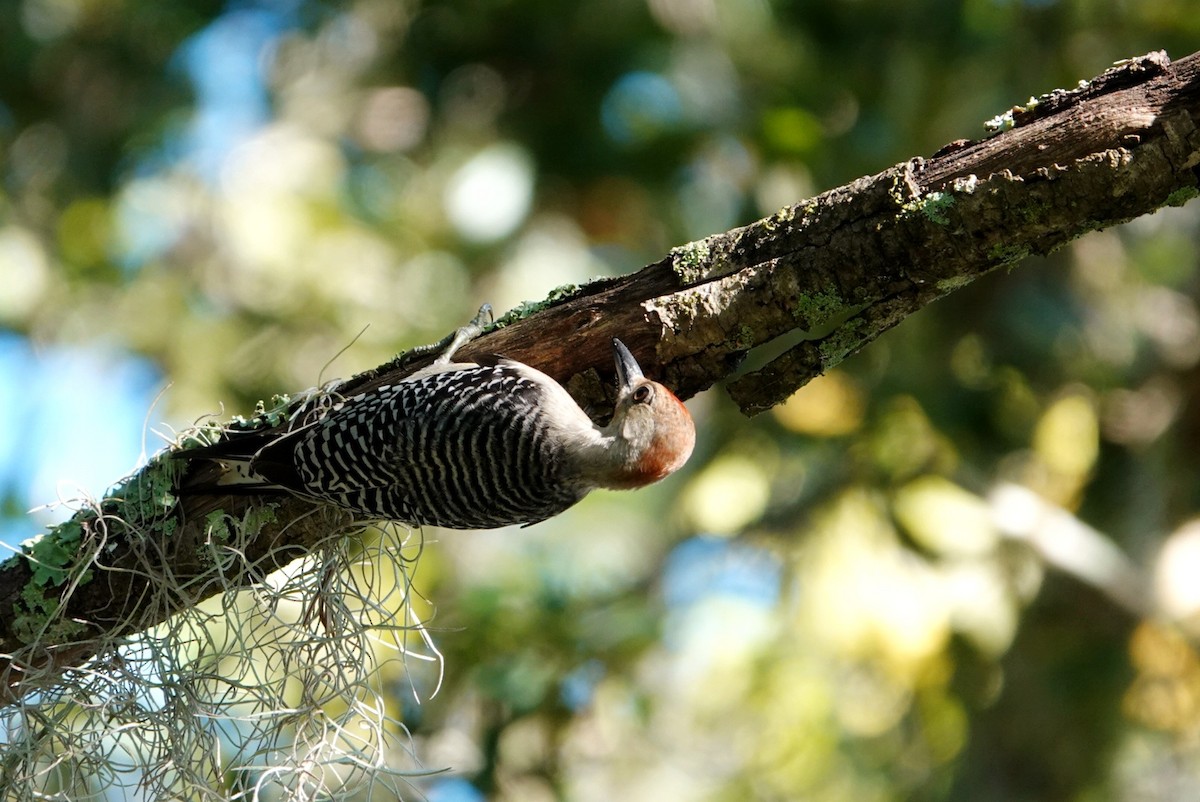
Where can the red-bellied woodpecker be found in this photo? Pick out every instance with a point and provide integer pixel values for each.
(468, 445)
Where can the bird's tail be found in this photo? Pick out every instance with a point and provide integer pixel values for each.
(241, 462)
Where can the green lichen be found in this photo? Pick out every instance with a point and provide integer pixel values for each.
(217, 526)
(526, 308)
(788, 213)
(54, 559)
(223, 529)
(256, 518)
(562, 293)
(277, 414)
(520, 312)
(1182, 196)
(784, 216)
(265, 417)
(686, 304)
(691, 261)
(144, 505)
(1007, 120)
(52, 555)
(146, 501)
(933, 206)
(1001, 122)
(815, 308)
(36, 617)
(847, 339)
(1033, 211)
(1004, 253)
(205, 434)
(953, 283)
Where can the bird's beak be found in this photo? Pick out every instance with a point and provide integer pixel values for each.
(628, 370)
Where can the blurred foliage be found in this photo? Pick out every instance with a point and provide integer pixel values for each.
(960, 567)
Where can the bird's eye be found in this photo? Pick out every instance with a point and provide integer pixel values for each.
(642, 394)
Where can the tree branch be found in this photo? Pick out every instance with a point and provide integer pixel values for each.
(843, 268)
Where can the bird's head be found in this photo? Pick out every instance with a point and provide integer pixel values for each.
(653, 431)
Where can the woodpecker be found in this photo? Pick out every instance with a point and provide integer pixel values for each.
(467, 445)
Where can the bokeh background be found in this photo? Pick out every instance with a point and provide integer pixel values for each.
(964, 565)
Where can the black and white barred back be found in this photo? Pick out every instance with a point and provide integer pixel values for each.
(467, 449)
(460, 445)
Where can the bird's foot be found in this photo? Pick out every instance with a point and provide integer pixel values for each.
(446, 347)
(464, 335)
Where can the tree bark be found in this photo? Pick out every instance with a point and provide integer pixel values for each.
(843, 268)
